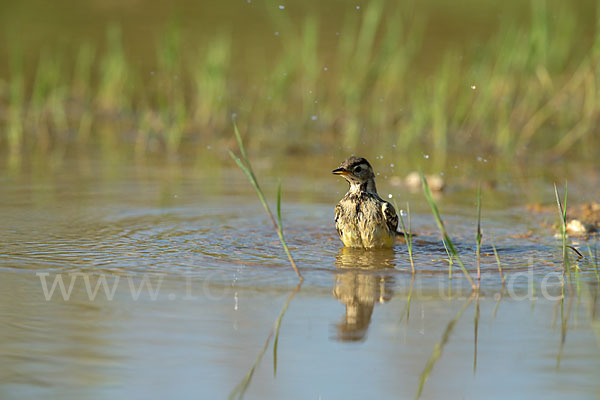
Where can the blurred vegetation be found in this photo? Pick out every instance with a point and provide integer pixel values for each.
(531, 86)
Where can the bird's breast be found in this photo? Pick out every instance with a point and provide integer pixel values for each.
(361, 222)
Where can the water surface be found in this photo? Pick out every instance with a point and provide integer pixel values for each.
(199, 279)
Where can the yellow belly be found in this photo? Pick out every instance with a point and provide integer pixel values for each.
(367, 236)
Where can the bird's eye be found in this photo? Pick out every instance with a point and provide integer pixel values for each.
(357, 169)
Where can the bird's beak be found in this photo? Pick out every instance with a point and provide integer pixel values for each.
(340, 171)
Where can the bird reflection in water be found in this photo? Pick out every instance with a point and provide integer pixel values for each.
(364, 278)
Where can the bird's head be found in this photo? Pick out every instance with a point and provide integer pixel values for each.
(358, 172)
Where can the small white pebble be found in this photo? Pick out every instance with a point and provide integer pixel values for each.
(473, 87)
(390, 196)
(391, 165)
(479, 159)
(281, 7)
(276, 33)
(426, 156)
(233, 115)
(358, 7)
(325, 68)
(314, 117)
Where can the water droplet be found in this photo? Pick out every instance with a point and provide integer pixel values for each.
(391, 165)
(403, 213)
(426, 156)
(473, 87)
(456, 166)
(314, 117)
(281, 7)
(175, 196)
(208, 147)
(358, 7)
(479, 159)
(390, 196)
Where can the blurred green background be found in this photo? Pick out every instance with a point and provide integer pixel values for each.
(517, 78)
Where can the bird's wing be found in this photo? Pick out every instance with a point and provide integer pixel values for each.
(338, 213)
(391, 218)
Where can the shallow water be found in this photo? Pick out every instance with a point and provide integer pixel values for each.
(199, 279)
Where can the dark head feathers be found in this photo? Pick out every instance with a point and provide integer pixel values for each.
(353, 161)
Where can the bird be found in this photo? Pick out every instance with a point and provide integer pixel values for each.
(362, 218)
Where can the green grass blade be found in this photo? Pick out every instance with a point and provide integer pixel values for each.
(450, 259)
(498, 262)
(501, 277)
(440, 223)
(407, 233)
(246, 167)
(240, 144)
(562, 212)
(279, 208)
(478, 236)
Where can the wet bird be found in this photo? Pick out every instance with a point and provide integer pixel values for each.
(362, 218)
